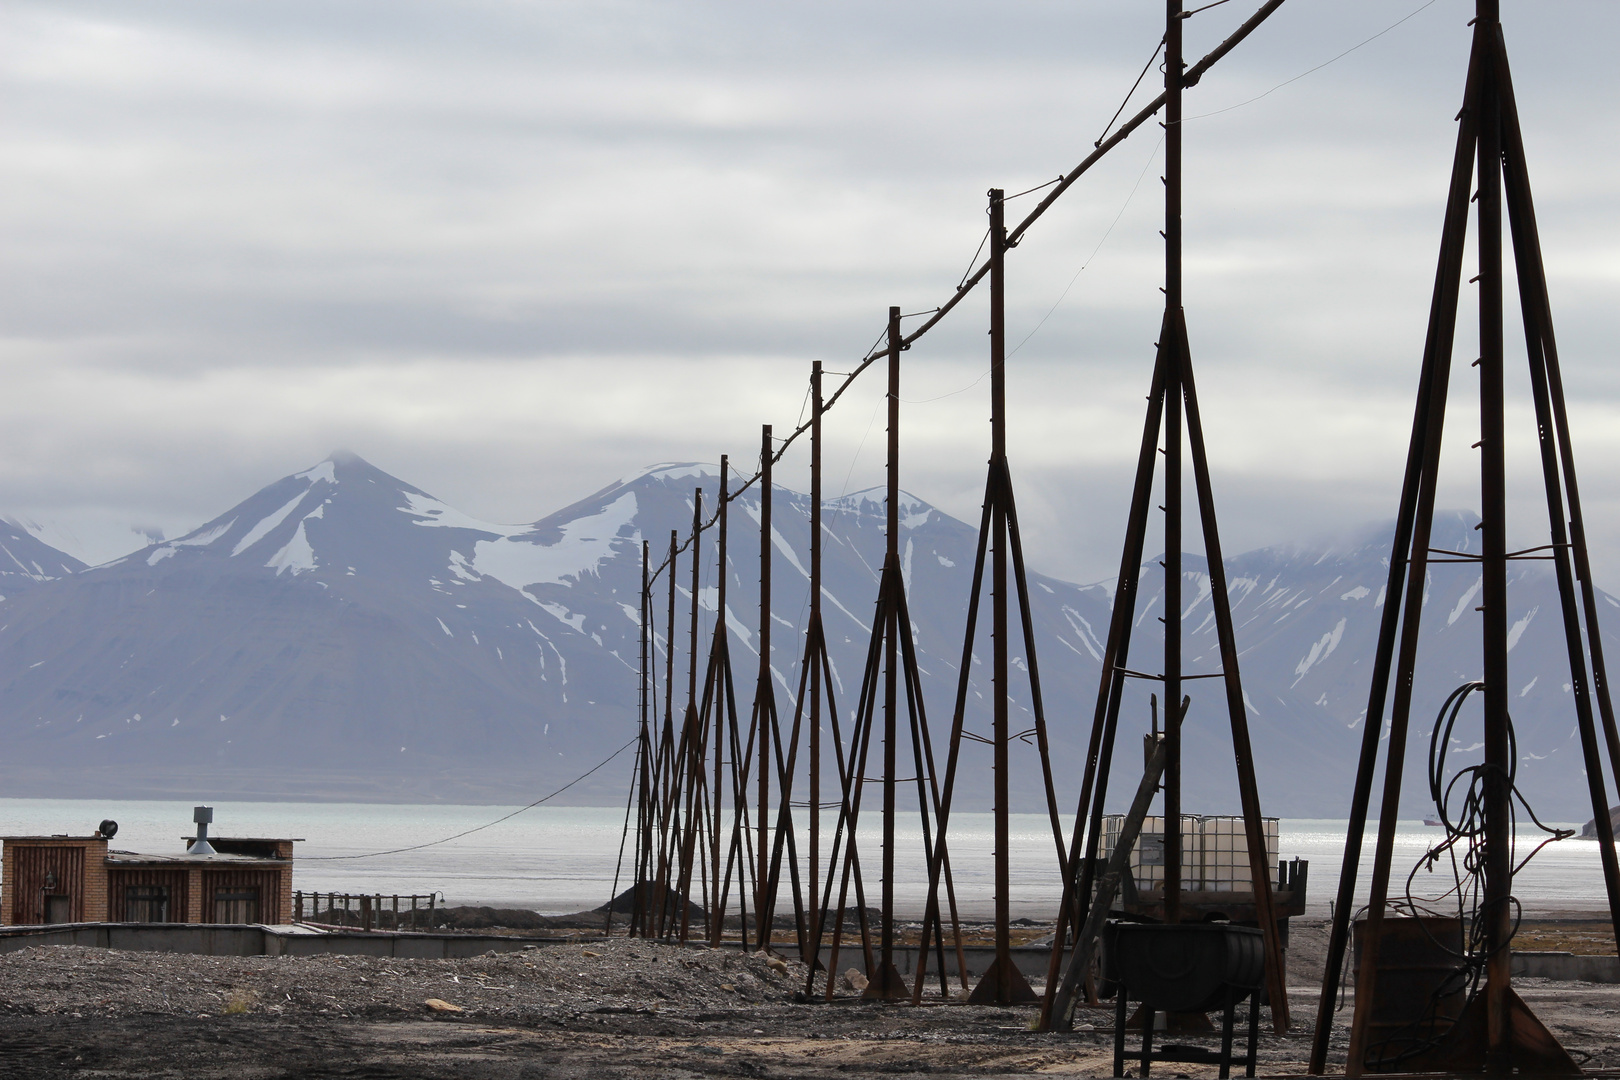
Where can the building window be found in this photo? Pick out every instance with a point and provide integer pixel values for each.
(236, 905)
(58, 909)
(146, 903)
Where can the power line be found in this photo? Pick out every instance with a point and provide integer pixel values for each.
(1130, 93)
(478, 828)
(1315, 69)
(1106, 234)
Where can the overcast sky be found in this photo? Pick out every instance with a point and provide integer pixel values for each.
(512, 251)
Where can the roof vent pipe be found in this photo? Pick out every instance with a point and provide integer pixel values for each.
(203, 816)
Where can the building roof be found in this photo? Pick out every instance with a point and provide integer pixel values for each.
(136, 858)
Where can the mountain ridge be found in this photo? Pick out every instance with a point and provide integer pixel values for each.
(341, 633)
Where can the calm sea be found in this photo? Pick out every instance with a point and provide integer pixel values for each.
(560, 860)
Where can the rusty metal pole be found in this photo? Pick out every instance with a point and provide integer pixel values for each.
(692, 636)
(1542, 350)
(1087, 836)
(1497, 914)
(816, 653)
(1172, 458)
(1408, 562)
(692, 759)
(1003, 984)
(669, 638)
(1260, 879)
(1497, 1033)
(885, 982)
(666, 772)
(764, 692)
(722, 684)
(998, 596)
(644, 753)
(1001, 732)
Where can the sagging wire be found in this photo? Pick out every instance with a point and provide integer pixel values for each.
(853, 461)
(972, 262)
(1130, 93)
(1106, 234)
(985, 374)
(1031, 191)
(1460, 805)
(487, 825)
(1315, 69)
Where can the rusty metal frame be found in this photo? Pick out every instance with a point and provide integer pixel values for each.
(1500, 1034)
(1173, 390)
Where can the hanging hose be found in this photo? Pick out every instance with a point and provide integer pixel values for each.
(1460, 808)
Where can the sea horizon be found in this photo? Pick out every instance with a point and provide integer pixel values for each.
(564, 859)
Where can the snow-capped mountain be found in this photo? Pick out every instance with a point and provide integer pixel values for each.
(338, 633)
(25, 560)
(343, 634)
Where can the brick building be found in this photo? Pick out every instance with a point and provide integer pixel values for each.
(75, 879)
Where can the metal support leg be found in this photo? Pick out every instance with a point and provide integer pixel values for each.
(1254, 1034)
(1226, 1038)
(1119, 1032)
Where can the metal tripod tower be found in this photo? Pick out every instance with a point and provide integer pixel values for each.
(815, 682)
(890, 662)
(1496, 1032)
(999, 538)
(1173, 390)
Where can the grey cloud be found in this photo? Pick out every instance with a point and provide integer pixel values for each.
(511, 252)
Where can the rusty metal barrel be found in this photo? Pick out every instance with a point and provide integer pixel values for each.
(1419, 994)
(1186, 967)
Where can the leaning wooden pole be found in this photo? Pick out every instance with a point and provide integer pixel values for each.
(1409, 522)
(1563, 490)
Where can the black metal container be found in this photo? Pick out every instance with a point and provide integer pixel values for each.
(1421, 989)
(1185, 967)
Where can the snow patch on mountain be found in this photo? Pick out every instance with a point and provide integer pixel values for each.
(205, 537)
(1517, 630)
(432, 513)
(463, 569)
(564, 616)
(1082, 628)
(267, 525)
(326, 470)
(1464, 600)
(515, 560)
(1321, 650)
(297, 556)
(779, 541)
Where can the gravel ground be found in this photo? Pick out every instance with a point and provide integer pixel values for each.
(612, 1009)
